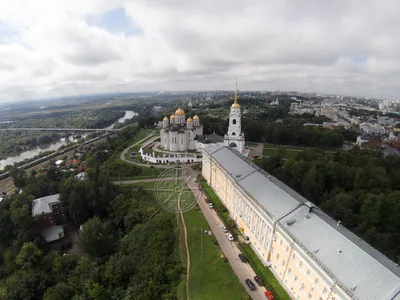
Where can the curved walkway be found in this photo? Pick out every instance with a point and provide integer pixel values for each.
(123, 153)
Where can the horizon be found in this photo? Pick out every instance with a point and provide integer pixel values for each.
(52, 49)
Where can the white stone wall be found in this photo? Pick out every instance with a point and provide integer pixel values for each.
(173, 141)
(168, 158)
(182, 141)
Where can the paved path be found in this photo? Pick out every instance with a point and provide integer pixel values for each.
(143, 180)
(123, 153)
(257, 150)
(230, 249)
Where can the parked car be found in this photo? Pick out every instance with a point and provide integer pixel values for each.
(250, 284)
(258, 280)
(269, 295)
(224, 229)
(229, 236)
(242, 257)
(210, 205)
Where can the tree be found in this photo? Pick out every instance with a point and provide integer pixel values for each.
(28, 256)
(94, 238)
(60, 291)
(19, 177)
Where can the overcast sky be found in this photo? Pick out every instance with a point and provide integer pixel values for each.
(67, 47)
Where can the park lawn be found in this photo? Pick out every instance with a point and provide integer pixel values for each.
(270, 282)
(290, 151)
(274, 151)
(210, 276)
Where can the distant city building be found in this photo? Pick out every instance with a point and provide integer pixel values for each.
(372, 128)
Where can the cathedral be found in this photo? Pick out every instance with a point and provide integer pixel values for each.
(178, 134)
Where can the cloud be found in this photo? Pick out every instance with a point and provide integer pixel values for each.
(56, 48)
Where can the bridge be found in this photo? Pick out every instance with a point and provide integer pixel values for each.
(61, 129)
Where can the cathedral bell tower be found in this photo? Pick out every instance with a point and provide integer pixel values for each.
(235, 137)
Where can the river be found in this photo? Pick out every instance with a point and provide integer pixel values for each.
(53, 146)
(129, 114)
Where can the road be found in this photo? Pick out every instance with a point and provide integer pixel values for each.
(230, 249)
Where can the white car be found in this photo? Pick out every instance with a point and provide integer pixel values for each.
(229, 236)
(210, 205)
(224, 229)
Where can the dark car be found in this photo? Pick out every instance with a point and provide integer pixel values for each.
(242, 257)
(258, 280)
(250, 284)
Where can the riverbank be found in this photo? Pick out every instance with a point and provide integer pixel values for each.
(35, 152)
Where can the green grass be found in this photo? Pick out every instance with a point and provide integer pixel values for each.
(270, 282)
(290, 151)
(210, 276)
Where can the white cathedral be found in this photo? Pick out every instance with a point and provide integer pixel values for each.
(178, 134)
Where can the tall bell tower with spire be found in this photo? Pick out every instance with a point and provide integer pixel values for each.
(235, 137)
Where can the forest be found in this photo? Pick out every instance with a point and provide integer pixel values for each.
(125, 249)
(361, 188)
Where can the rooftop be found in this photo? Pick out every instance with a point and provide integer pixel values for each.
(53, 233)
(43, 205)
(362, 271)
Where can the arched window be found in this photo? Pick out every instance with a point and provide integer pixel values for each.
(234, 121)
(233, 133)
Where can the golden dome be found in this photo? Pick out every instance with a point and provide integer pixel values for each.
(196, 117)
(235, 105)
(165, 118)
(172, 116)
(179, 112)
(189, 120)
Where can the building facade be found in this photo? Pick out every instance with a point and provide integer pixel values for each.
(178, 134)
(234, 138)
(312, 255)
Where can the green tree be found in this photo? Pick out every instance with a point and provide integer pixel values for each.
(94, 238)
(61, 291)
(28, 256)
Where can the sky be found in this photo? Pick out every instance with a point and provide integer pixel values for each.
(52, 48)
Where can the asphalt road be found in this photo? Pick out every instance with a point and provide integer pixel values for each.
(230, 250)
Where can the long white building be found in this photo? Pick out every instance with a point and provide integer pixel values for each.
(312, 255)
